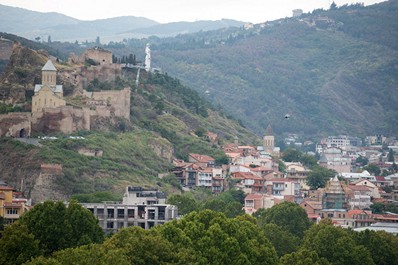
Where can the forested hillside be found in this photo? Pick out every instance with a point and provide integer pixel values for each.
(338, 76)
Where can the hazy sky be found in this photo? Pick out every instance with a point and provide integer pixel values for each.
(179, 10)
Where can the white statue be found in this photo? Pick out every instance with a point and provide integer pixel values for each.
(148, 57)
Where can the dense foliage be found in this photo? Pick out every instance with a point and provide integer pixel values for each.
(199, 237)
(330, 79)
(48, 227)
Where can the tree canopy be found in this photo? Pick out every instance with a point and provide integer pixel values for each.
(287, 215)
(49, 227)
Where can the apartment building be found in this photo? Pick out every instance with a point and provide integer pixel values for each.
(140, 207)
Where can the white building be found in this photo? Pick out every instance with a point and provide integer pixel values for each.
(140, 207)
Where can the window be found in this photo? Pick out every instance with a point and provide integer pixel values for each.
(12, 211)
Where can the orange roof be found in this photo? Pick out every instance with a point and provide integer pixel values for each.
(245, 147)
(390, 217)
(201, 158)
(260, 169)
(253, 196)
(352, 212)
(207, 169)
(245, 175)
(232, 155)
(6, 188)
(316, 205)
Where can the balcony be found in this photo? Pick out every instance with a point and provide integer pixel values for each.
(11, 216)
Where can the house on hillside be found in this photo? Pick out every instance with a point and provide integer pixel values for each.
(334, 158)
(358, 197)
(296, 171)
(201, 160)
(254, 202)
(248, 182)
(12, 204)
(313, 209)
(375, 192)
(282, 188)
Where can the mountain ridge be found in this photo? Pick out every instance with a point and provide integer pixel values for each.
(64, 28)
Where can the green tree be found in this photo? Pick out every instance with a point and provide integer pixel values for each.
(84, 255)
(212, 238)
(141, 246)
(184, 203)
(1, 225)
(391, 157)
(318, 177)
(291, 155)
(287, 215)
(382, 246)
(303, 257)
(377, 207)
(18, 245)
(58, 227)
(283, 241)
(373, 169)
(362, 160)
(308, 160)
(336, 245)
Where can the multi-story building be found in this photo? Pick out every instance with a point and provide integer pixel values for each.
(282, 187)
(358, 197)
(296, 171)
(334, 158)
(12, 204)
(249, 182)
(140, 207)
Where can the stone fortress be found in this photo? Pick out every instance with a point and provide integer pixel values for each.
(51, 111)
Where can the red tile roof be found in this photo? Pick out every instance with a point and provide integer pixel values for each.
(201, 158)
(6, 188)
(380, 178)
(253, 196)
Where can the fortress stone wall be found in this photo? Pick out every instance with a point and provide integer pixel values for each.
(98, 55)
(65, 119)
(111, 103)
(15, 124)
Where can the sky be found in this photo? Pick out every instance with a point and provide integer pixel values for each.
(165, 11)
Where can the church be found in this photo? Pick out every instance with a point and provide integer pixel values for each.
(48, 94)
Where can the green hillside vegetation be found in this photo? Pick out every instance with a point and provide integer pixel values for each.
(339, 78)
(167, 120)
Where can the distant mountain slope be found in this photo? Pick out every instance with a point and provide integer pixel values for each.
(31, 24)
(336, 78)
(175, 28)
(22, 21)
